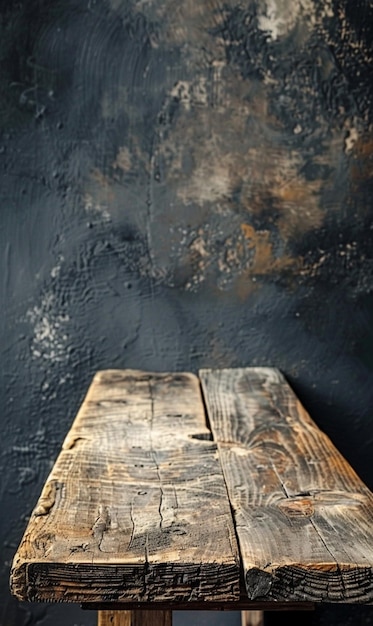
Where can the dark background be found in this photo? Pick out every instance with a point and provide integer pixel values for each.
(182, 185)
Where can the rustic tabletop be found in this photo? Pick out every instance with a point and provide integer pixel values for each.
(218, 491)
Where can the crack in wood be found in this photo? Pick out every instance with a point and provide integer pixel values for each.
(101, 525)
(154, 455)
(282, 484)
(146, 567)
(201, 436)
(133, 526)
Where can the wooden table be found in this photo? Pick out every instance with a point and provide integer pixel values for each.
(173, 492)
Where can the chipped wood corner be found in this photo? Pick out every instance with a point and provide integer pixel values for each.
(18, 579)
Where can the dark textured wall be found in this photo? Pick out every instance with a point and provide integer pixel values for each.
(182, 184)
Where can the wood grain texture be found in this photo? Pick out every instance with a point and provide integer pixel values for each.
(252, 618)
(303, 517)
(135, 508)
(244, 604)
(134, 618)
(114, 618)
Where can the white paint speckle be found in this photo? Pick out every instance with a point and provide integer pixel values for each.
(50, 338)
(351, 139)
(96, 209)
(55, 271)
(279, 17)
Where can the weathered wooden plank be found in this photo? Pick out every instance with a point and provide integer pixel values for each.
(303, 517)
(135, 507)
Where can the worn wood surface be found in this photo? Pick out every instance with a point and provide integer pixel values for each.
(136, 506)
(135, 513)
(114, 618)
(134, 618)
(252, 618)
(304, 519)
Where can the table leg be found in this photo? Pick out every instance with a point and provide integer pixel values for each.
(252, 618)
(114, 618)
(135, 618)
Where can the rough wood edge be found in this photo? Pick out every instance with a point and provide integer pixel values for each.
(243, 605)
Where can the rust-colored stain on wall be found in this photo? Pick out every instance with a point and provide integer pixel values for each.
(254, 121)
